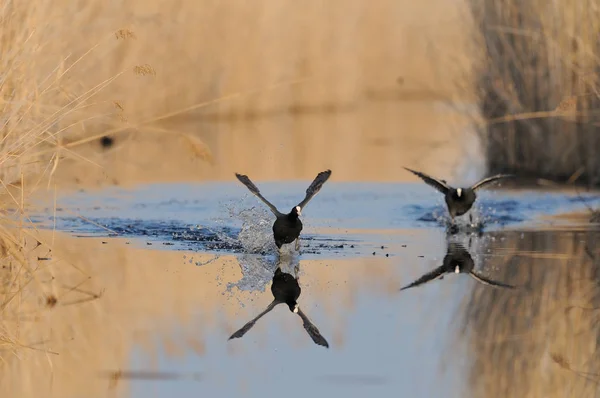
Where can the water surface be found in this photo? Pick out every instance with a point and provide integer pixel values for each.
(224, 216)
(452, 337)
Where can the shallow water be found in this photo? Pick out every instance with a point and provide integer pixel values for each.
(225, 217)
(451, 337)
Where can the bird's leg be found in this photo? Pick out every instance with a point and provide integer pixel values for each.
(297, 243)
(296, 270)
(471, 218)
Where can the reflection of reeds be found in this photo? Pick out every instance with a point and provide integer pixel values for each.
(536, 341)
(40, 105)
(594, 214)
(538, 87)
(98, 302)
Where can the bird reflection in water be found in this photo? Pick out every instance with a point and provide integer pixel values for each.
(457, 260)
(286, 290)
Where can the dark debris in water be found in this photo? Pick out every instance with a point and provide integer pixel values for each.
(255, 234)
(184, 236)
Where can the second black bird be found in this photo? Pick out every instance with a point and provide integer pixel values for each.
(458, 200)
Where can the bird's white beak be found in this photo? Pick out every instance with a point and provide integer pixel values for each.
(457, 270)
(459, 192)
(299, 210)
(296, 309)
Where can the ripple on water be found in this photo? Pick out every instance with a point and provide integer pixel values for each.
(228, 219)
(353, 298)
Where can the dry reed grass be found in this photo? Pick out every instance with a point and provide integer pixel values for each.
(540, 340)
(283, 80)
(70, 75)
(538, 87)
(45, 102)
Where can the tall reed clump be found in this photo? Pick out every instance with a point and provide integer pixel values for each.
(45, 51)
(538, 87)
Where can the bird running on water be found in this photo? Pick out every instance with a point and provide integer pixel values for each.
(287, 227)
(458, 200)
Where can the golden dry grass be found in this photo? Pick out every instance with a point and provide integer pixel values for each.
(538, 87)
(51, 93)
(268, 89)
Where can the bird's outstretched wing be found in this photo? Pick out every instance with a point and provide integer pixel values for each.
(489, 282)
(252, 188)
(315, 187)
(489, 180)
(440, 185)
(249, 325)
(312, 330)
(435, 274)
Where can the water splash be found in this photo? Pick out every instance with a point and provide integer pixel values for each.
(494, 213)
(258, 270)
(256, 233)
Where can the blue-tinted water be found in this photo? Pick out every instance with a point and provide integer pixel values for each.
(344, 218)
(362, 242)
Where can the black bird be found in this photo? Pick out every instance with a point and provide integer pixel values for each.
(457, 260)
(458, 200)
(286, 290)
(287, 227)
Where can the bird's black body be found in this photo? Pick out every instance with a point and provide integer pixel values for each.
(286, 290)
(458, 200)
(459, 205)
(287, 227)
(457, 260)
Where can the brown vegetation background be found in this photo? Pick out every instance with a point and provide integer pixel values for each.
(538, 87)
(275, 88)
(279, 89)
(195, 90)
